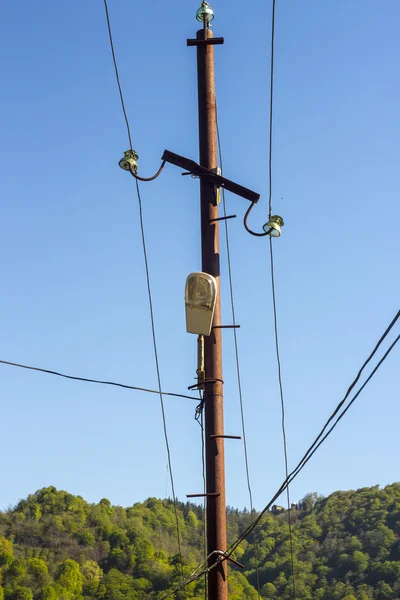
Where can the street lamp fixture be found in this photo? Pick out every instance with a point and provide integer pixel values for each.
(200, 299)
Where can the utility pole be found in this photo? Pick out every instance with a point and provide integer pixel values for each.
(209, 340)
(209, 332)
(213, 386)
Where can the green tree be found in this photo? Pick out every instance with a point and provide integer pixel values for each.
(23, 593)
(69, 576)
(268, 590)
(49, 593)
(119, 586)
(359, 562)
(38, 572)
(6, 552)
(383, 591)
(92, 576)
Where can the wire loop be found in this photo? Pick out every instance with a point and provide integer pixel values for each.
(246, 216)
(136, 176)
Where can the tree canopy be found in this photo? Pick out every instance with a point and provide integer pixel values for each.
(56, 546)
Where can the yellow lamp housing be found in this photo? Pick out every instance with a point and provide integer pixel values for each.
(200, 299)
(274, 225)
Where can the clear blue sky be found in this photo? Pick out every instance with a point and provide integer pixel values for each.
(73, 294)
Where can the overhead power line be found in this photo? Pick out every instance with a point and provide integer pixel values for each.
(201, 569)
(236, 345)
(283, 420)
(321, 437)
(86, 379)
(271, 107)
(272, 270)
(148, 294)
(157, 365)
(117, 74)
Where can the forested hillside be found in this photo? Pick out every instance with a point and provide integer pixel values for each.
(55, 546)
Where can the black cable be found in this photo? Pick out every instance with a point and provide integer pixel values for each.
(122, 385)
(388, 329)
(271, 106)
(292, 475)
(203, 464)
(153, 330)
(271, 112)
(238, 375)
(136, 176)
(312, 449)
(344, 411)
(148, 291)
(285, 453)
(117, 75)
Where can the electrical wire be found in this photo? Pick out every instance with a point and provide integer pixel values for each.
(150, 301)
(157, 365)
(278, 360)
(113, 383)
(238, 375)
(117, 74)
(321, 438)
(200, 570)
(271, 107)
(283, 423)
(203, 464)
(312, 449)
(352, 400)
(136, 176)
(271, 121)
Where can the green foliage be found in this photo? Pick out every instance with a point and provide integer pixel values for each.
(23, 593)
(92, 577)
(49, 593)
(56, 546)
(6, 552)
(69, 576)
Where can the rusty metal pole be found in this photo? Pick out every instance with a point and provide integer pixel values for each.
(213, 392)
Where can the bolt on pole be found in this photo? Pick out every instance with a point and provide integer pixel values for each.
(213, 386)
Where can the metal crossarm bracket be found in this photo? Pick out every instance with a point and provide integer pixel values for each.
(208, 42)
(195, 169)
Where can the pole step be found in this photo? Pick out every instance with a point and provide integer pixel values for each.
(215, 494)
(227, 437)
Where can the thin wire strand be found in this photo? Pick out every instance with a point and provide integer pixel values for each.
(285, 452)
(136, 176)
(271, 122)
(113, 383)
(312, 449)
(117, 75)
(153, 331)
(344, 411)
(271, 107)
(382, 338)
(301, 464)
(236, 345)
(149, 295)
(203, 462)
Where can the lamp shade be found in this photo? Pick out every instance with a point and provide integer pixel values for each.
(200, 299)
